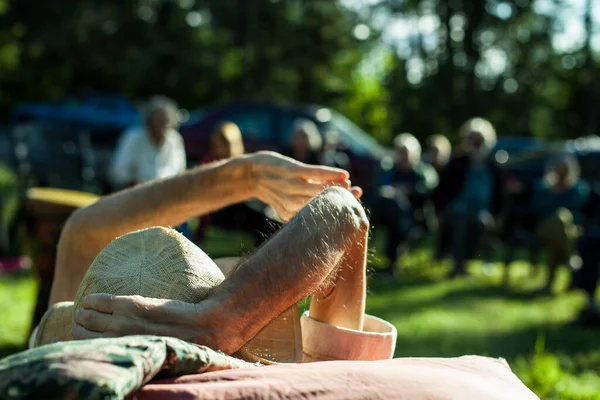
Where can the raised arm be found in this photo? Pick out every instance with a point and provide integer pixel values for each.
(322, 251)
(281, 182)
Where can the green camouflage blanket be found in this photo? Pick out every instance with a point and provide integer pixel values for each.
(104, 368)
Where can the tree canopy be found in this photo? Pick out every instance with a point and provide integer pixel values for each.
(496, 59)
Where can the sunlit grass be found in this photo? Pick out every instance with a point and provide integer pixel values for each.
(435, 317)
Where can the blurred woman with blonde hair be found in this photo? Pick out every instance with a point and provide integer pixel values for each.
(225, 142)
(438, 152)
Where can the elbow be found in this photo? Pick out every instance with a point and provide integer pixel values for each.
(70, 231)
(348, 212)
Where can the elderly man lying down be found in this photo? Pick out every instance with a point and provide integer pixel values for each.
(156, 282)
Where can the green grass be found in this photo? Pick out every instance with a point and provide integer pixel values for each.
(17, 297)
(435, 318)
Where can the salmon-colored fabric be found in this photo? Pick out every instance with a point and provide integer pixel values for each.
(324, 342)
(464, 378)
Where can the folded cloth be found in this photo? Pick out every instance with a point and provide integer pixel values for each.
(464, 378)
(104, 368)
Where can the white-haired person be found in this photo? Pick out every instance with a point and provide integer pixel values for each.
(558, 203)
(402, 190)
(471, 196)
(438, 152)
(152, 150)
(306, 142)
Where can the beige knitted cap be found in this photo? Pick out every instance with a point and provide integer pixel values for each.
(161, 263)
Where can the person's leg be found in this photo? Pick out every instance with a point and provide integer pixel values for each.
(589, 273)
(393, 214)
(475, 241)
(458, 228)
(552, 260)
(444, 240)
(554, 234)
(588, 279)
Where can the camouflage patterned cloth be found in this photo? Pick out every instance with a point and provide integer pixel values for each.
(104, 368)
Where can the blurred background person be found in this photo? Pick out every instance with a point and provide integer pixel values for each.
(252, 216)
(401, 196)
(153, 150)
(437, 154)
(438, 151)
(558, 204)
(306, 142)
(471, 196)
(225, 142)
(332, 154)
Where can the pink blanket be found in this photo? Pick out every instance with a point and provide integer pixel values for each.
(464, 378)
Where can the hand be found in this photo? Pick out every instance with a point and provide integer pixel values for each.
(103, 315)
(288, 185)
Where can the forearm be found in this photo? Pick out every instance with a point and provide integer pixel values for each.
(297, 262)
(166, 202)
(342, 302)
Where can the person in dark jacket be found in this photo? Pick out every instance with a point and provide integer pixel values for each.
(402, 190)
(470, 197)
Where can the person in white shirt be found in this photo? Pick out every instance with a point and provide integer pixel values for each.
(153, 150)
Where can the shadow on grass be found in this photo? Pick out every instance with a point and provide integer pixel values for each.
(580, 345)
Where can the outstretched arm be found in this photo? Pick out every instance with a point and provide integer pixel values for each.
(320, 251)
(279, 181)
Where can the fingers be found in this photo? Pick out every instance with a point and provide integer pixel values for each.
(300, 187)
(93, 320)
(101, 302)
(319, 173)
(356, 191)
(81, 333)
(287, 203)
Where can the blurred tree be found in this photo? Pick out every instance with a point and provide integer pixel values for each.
(495, 59)
(196, 51)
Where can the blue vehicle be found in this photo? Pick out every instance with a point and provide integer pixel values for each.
(97, 112)
(510, 147)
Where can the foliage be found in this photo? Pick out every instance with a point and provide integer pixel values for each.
(203, 52)
(539, 91)
(545, 374)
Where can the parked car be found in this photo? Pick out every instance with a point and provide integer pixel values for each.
(269, 127)
(523, 170)
(509, 147)
(54, 155)
(104, 116)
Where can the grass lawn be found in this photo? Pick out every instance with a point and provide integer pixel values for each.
(434, 317)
